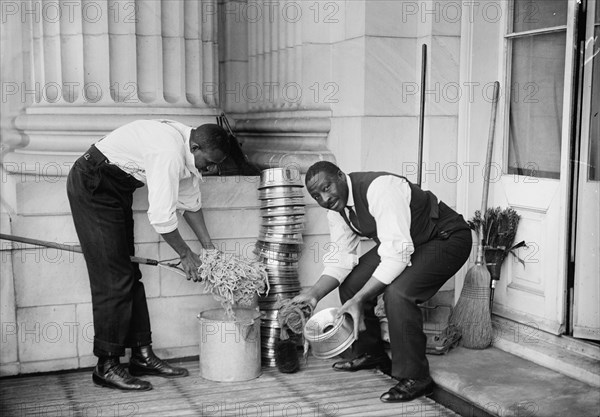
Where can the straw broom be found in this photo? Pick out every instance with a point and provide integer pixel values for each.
(472, 311)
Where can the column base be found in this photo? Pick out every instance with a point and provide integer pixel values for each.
(53, 137)
(297, 139)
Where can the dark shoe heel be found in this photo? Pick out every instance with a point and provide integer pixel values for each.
(408, 390)
(111, 374)
(99, 381)
(365, 361)
(144, 362)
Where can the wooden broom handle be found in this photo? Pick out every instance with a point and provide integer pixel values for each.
(488, 164)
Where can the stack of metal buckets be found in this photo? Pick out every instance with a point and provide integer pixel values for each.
(278, 247)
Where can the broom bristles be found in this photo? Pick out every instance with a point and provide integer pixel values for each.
(472, 311)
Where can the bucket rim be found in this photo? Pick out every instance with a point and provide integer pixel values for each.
(201, 316)
(314, 321)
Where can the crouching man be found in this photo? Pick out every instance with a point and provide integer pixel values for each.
(420, 244)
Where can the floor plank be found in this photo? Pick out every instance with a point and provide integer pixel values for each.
(316, 390)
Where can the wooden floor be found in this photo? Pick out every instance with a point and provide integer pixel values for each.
(316, 390)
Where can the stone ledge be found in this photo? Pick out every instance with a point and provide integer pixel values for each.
(497, 383)
(571, 357)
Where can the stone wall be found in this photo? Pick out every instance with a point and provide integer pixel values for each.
(51, 324)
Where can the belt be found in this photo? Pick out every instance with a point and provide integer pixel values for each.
(93, 155)
(97, 159)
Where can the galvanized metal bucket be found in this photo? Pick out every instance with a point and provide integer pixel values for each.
(230, 349)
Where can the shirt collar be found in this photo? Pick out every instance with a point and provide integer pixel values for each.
(350, 195)
(190, 163)
(186, 133)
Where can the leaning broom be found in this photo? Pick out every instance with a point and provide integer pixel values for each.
(472, 311)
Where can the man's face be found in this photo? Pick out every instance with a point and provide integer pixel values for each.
(329, 191)
(207, 161)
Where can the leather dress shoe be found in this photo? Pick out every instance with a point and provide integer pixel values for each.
(408, 389)
(365, 361)
(110, 373)
(144, 362)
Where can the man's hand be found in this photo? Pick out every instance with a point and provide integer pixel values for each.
(355, 309)
(307, 298)
(190, 262)
(355, 306)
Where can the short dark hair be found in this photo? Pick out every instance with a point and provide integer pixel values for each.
(321, 167)
(211, 137)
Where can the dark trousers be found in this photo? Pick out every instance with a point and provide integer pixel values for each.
(100, 195)
(432, 264)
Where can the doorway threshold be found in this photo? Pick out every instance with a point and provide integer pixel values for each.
(572, 357)
(492, 382)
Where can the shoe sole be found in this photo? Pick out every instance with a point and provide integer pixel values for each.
(99, 382)
(425, 394)
(150, 373)
(386, 369)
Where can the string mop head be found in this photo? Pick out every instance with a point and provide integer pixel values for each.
(292, 317)
(232, 280)
(286, 356)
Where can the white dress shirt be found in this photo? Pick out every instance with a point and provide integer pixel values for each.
(388, 197)
(158, 154)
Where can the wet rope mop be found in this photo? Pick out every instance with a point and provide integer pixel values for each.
(232, 280)
(292, 317)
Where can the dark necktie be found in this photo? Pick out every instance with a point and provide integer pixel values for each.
(353, 218)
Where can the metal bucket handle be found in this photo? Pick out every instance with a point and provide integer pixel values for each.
(245, 327)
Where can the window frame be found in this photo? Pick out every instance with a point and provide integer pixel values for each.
(508, 37)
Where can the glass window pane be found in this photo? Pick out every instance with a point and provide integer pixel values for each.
(537, 84)
(538, 14)
(594, 157)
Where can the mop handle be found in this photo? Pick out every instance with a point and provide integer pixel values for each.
(490, 148)
(486, 175)
(422, 113)
(69, 248)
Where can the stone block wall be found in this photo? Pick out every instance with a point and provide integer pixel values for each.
(48, 326)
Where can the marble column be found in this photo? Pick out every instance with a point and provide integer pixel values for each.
(273, 84)
(93, 65)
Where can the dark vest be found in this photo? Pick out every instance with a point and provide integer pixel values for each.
(424, 211)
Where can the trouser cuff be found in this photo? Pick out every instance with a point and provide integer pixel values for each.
(102, 349)
(139, 339)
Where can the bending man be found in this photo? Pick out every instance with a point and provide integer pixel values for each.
(168, 157)
(420, 244)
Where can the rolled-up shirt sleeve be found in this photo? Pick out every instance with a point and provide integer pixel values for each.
(340, 255)
(189, 195)
(163, 173)
(389, 204)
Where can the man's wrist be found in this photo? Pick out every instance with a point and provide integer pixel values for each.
(313, 295)
(359, 298)
(185, 252)
(371, 289)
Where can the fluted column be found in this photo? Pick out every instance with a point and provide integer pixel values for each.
(121, 62)
(284, 122)
(97, 64)
(275, 59)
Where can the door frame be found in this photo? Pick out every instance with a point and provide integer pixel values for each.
(558, 323)
(555, 324)
(580, 154)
